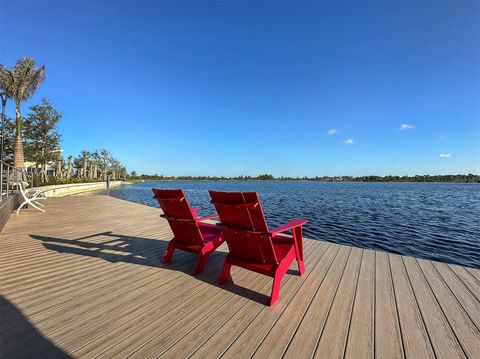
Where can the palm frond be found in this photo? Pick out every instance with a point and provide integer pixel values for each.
(7, 81)
(22, 80)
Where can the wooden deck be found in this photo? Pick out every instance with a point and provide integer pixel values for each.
(85, 280)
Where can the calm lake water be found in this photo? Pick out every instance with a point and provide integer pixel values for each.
(439, 221)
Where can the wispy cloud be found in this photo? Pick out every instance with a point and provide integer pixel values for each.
(349, 142)
(332, 131)
(443, 139)
(445, 155)
(405, 126)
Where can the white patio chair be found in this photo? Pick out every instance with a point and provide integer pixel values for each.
(30, 197)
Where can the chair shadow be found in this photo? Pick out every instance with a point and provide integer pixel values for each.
(138, 250)
(120, 248)
(16, 346)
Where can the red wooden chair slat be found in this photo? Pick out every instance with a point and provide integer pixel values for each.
(190, 234)
(251, 244)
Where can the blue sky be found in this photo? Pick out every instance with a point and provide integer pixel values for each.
(250, 87)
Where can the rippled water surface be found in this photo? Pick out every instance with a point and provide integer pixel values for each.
(439, 221)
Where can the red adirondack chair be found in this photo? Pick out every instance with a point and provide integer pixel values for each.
(190, 234)
(252, 245)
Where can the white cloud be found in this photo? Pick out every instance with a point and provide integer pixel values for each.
(445, 155)
(332, 132)
(443, 139)
(349, 142)
(406, 127)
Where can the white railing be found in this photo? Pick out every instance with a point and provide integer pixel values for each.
(9, 178)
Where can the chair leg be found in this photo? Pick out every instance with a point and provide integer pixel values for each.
(33, 204)
(24, 205)
(202, 258)
(167, 258)
(225, 272)
(297, 239)
(277, 280)
(21, 206)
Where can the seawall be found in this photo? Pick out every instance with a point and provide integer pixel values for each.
(62, 190)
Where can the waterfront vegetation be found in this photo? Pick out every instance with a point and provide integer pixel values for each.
(19, 84)
(268, 177)
(43, 155)
(33, 141)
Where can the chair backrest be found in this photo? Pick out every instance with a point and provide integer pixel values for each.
(23, 190)
(246, 230)
(181, 218)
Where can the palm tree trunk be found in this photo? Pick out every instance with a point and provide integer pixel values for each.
(69, 170)
(44, 170)
(18, 158)
(58, 172)
(84, 169)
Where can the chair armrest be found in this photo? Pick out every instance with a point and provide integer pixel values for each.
(36, 194)
(288, 226)
(213, 216)
(32, 190)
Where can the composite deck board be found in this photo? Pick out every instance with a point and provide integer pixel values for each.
(416, 341)
(217, 345)
(362, 325)
(85, 280)
(388, 341)
(459, 315)
(442, 337)
(304, 343)
(470, 303)
(475, 273)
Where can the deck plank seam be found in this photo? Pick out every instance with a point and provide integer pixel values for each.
(306, 309)
(319, 336)
(265, 285)
(79, 311)
(353, 306)
(309, 304)
(201, 291)
(205, 319)
(65, 283)
(178, 319)
(55, 306)
(288, 303)
(418, 308)
(432, 293)
(477, 325)
(396, 306)
(40, 249)
(473, 273)
(157, 318)
(55, 266)
(263, 308)
(68, 284)
(475, 295)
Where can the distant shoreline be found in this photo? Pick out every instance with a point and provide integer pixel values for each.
(470, 178)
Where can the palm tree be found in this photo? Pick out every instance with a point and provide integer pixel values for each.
(19, 84)
(95, 160)
(70, 166)
(85, 155)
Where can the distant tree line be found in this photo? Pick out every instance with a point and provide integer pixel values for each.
(268, 177)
